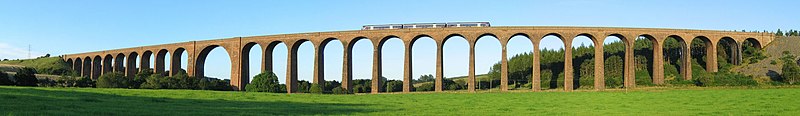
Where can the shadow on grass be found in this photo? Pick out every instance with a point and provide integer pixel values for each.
(31, 101)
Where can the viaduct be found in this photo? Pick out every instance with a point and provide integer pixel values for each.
(93, 64)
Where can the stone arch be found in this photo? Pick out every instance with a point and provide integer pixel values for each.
(521, 35)
(199, 64)
(595, 40)
(411, 61)
(515, 42)
(654, 56)
(267, 55)
(108, 63)
(159, 63)
(119, 63)
(96, 67)
(414, 40)
(87, 67)
(755, 42)
(144, 63)
(554, 69)
(131, 68)
(502, 41)
(386, 38)
(479, 46)
(319, 61)
(78, 66)
(558, 35)
(70, 63)
(700, 51)
(244, 69)
(442, 62)
(682, 51)
(175, 61)
(625, 57)
(576, 61)
(394, 55)
(347, 69)
(444, 40)
(727, 48)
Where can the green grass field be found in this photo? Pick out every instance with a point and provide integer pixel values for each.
(659, 101)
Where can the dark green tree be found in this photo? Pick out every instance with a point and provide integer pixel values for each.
(113, 80)
(26, 77)
(315, 88)
(5, 79)
(264, 82)
(790, 69)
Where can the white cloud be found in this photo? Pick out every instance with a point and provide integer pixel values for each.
(8, 51)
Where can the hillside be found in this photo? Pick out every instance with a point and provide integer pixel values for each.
(49, 67)
(774, 51)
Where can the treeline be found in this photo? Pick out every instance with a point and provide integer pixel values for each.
(787, 33)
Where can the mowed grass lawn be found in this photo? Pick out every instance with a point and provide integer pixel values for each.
(663, 101)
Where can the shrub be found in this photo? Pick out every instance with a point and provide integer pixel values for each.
(208, 83)
(339, 90)
(113, 80)
(265, 82)
(790, 69)
(394, 86)
(5, 79)
(425, 87)
(303, 86)
(26, 77)
(154, 82)
(141, 77)
(358, 89)
(73, 81)
(315, 88)
(46, 82)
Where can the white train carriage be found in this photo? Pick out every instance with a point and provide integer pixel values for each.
(425, 25)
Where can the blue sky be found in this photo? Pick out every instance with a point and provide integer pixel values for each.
(61, 27)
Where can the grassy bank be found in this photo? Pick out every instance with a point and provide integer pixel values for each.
(659, 101)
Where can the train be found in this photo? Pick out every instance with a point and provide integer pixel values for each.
(426, 25)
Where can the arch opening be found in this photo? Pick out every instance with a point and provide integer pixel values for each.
(674, 55)
(96, 67)
(487, 48)
(360, 67)
(392, 54)
(551, 61)
(131, 68)
(519, 51)
(583, 61)
(455, 61)
(119, 63)
(423, 57)
(331, 50)
(752, 51)
(644, 59)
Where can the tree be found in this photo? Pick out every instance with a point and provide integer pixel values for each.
(779, 33)
(339, 90)
(790, 69)
(425, 78)
(113, 80)
(613, 71)
(315, 88)
(26, 77)
(394, 86)
(264, 82)
(4, 79)
(154, 82)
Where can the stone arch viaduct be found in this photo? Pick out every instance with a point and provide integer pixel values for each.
(93, 64)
